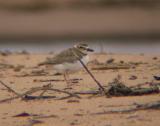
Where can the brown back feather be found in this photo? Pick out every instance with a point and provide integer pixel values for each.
(65, 56)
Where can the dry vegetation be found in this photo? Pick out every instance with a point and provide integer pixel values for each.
(130, 96)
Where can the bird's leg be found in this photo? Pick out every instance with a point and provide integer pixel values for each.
(71, 81)
(66, 78)
(67, 75)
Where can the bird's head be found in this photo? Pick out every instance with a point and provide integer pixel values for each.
(84, 48)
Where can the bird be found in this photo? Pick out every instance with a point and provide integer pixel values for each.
(68, 60)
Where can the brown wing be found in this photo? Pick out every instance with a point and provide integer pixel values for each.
(65, 56)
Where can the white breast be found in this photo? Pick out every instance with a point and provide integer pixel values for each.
(71, 66)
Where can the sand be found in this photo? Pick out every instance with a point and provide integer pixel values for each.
(75, 111)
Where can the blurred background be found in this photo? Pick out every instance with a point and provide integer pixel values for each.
(117, 26)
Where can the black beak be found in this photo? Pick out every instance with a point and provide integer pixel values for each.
(90, 50)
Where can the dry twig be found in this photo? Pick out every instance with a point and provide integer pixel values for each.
(9, 88)
(137, 107)
(25, 96)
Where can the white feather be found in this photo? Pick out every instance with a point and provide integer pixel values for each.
(71, 66)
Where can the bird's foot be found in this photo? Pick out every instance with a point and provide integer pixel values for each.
(75, 80)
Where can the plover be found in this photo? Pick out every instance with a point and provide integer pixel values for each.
(68, 60)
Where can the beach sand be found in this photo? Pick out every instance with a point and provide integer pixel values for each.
(73, 111)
